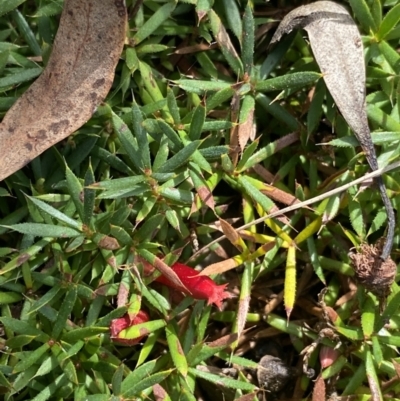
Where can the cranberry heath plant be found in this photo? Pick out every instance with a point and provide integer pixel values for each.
(206, 128)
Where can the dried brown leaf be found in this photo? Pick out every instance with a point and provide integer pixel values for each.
(374, 388)
(396, 366)
(76, 80)
(217, 224)
(231, 234)
(246, 130)
(223, 39)
(206, 196)
(221, 252)
(123, 294)
(337, 47)
(280, 196)
(224, 341)
(267, 176)
(273, 303)
(168, 273)
(243, 308)
(371, 271)
(112, 262)
(159, 393)
(319, 393)
(286, 141)
(199, 47)
(219, 267)
(108, 243)
(234, 148)
(247, 397)
(283, 219)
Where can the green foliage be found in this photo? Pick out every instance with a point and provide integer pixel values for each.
(204, 122)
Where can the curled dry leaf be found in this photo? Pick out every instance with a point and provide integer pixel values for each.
(338, 50)
(77, 78)
(376, 394)
(371, 271)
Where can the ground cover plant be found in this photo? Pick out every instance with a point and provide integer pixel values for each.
(206, 129)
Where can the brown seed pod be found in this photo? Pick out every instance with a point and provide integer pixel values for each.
(273, 373)
(375, 274)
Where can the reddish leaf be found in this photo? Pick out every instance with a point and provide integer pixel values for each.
(246, 130)
(123, 294)
(117, 325)
(327, 356)
(159, 393)
(206, 196)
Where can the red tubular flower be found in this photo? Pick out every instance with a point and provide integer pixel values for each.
(117, 325)
(200, 287)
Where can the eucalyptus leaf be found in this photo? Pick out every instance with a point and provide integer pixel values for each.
(338, 50)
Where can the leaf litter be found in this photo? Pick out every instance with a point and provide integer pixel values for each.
(337, 47)
(376, 258)
(76, 80)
